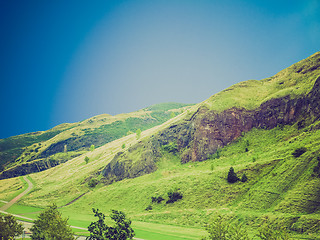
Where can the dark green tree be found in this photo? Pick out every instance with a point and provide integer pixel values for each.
(9, 227)
(244, 178)
(232, 176)
(86, 159)
(99, 230)
(50, 225)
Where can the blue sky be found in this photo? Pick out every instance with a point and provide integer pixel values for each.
(65, 61)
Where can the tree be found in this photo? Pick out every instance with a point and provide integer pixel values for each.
(232, 176)
(51, 225)
(92, 147)
(244, 178)
(99, 230)
(9, 227)
(123, 146)
(86, 159)
(138, 133)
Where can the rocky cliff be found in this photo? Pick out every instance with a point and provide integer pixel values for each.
(201, 134)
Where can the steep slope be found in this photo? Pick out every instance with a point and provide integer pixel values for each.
(35, 152)
(290, 96)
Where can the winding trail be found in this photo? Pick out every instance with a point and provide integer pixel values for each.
(13, 201)
(27, 225)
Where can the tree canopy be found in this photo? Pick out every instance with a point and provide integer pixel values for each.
(99, 230)
(50, 225)
(9, 227)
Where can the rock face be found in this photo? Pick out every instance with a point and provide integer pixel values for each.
(28, 168)
(206, 131)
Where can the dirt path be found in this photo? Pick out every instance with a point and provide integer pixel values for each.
(13, 201)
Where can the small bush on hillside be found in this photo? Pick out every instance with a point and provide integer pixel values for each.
(244, 178)
(157, 199)
(174, 196)
(138, 133)
(299, 151)
(171, 147)
(86, 159)
(92, 147)
(92, 182)
(149, 208)
(232, 176)
(216, 155)
(123, 146)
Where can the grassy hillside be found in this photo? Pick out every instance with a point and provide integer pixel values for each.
(295, 81)
(282, 165)
(78, 137)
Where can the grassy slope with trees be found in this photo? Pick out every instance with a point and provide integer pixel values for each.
(69, 140)
(282, 187)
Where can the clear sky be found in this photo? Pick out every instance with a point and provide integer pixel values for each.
(65, 61)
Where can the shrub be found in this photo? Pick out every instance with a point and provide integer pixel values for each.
(149, 208)
(92, 147)
(138, 133)
(232, 176)
(92, 182)
(174, 196)
(157, 199)
(86, 159)
(244, 178)
(299, 151)
(123, 146)
(171, 147)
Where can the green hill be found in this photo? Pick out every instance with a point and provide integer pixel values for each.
(268, 130)
(33, 152)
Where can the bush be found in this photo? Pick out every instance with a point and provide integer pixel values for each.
(92, 182)
(157, 199)
(9, 227)
(173, 197)
(232, 176)
(299, 151)
(149, 208)
(171, 147)
(86, 159)
(244, 178)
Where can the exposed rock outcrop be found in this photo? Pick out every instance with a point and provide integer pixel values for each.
(206, 131)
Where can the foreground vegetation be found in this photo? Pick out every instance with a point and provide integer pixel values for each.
(277, 189)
